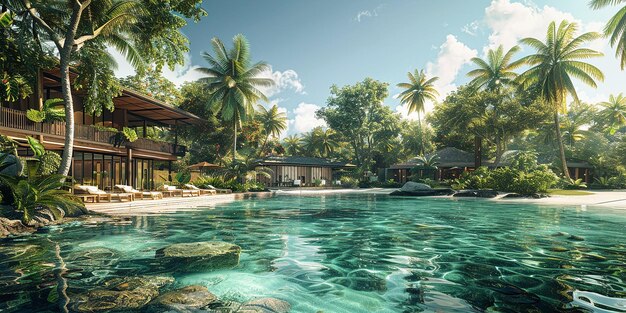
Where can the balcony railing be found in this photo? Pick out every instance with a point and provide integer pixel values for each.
(16, 119)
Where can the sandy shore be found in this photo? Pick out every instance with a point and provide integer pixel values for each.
(598, 199)
(607, 199)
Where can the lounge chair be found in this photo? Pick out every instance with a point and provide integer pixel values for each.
(202, 191)
(170, 191)
(153, 195)
(102, 195)
(219, 190)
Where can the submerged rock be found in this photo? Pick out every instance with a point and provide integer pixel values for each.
(479, 193)
(120, 294)
(265, 305)
(198, 256)
(13, 227)
(183, 299)
(413, 186)
(424, 193)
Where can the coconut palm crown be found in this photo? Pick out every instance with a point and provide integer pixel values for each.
(615, 29)
(555, 63)
(613, 113)
(496, 70)
(234, 82)
(416, 92)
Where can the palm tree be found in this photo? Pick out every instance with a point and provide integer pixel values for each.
(320, 142)
(615, 28)
(492, 74)
(326, 142)
(292, 144)
(553, 66)
(234, 82)
(613, 113)
(72, 25)
(417, 91)
(496, 71)
(273, 121)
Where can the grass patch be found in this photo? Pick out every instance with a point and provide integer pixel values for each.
(564, 192)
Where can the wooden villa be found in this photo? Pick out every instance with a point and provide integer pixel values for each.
(99, 159)
(288, 171)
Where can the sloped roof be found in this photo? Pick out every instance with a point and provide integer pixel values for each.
(447, 157)
(140, 106)
(302, 161)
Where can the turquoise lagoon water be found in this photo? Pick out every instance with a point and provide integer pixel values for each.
(347, 253)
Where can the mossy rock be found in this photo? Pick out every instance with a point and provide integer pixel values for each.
(185, 299)
(120, 294)
(199, 256)
(265, 305)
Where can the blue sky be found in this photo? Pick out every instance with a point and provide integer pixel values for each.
(312, 45)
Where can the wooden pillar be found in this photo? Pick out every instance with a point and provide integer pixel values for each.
(145, 129)
(129, 167)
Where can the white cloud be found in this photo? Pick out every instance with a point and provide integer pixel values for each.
(512, 21)
(453, 54)
(471, 28)
(286, 80)
(305, 119)
(368, 13)
(182, 73)
(179, 75)
(363, 14)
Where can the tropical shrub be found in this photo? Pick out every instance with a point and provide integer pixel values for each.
(570, 183)
(525, 176)
(33, 194)
(221, 182)
(349, 182)
(49, 163)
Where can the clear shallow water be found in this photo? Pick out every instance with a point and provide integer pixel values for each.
(347, 253)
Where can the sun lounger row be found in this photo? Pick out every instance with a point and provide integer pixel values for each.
(128, 193)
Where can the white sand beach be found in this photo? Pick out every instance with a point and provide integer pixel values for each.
(600, 199)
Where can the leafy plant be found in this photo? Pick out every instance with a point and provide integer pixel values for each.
(36, 146)
(31, 195)
(183, 177)
(49, 163)
(53, 110)
(349, 182)
(130, 134)
(8, 145)
(574, 183)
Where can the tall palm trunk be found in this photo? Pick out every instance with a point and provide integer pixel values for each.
(557, 126)
(419, 124)
(66, 88)
(65, 53)
(235, 139)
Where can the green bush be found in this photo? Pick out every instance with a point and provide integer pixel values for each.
(524, 176)
(617, 182)
(222, 183)
(49, 163)
(349, 182)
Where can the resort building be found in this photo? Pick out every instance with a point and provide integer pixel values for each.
(101, 157)
(453, 162)
(289, 171)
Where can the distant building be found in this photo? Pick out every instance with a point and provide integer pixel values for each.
(289, 170)
(454, 162)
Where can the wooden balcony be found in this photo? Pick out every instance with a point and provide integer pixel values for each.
(16, 120)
